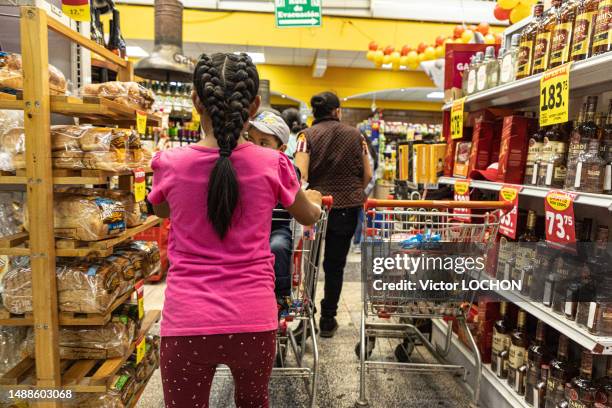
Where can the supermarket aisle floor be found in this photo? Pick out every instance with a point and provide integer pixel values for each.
(339, 375)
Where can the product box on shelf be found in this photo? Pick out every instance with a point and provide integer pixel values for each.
(485, 145)
(513, 149)
(436, 162)
(462, 159)
(457, 59)
(488, 314)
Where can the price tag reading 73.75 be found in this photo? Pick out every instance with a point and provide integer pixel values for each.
(456, 119)
(559, 215)
(554, 96)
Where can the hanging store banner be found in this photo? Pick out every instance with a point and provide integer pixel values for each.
(560, 222)
(456, 119)
(554, 96)
(77, 10)
(297, 13)
(508, 220)
(462, 193)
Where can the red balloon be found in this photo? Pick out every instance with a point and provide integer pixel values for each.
(388, 50)
(373, 46)
(421, 48)
(405, 50)
(500, 13)
(440, 39)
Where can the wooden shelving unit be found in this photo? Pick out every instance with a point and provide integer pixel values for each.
(38, 101)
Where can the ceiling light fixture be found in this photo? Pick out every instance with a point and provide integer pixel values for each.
(435, 95)
(136, 51)
(257, 57)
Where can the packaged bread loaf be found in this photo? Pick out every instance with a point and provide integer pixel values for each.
(12, 149)
(86, 218)
(67, 159)
(85, 138)
(83, 286)
(135, 212)
(12, 340)
(152, 353)
(106, 161)
(124, 384)
(126, 93)
(95, 400)
(11, 73)
(151, 263)
(92, 342)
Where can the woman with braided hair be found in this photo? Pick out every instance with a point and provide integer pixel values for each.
(220, 306)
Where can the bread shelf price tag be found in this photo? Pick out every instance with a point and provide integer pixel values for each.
(456, 119)
(462, 193)
(141, 122)
(140, 189)
(139, 287)
(77, 10)
(141, 349)
(554, 95)
(508, 220)
(560, 223)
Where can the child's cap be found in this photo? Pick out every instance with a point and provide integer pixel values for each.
(272, 124)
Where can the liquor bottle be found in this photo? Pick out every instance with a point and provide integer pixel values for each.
(94, 27)
(561, 371)
(526, 252)
(536, 143)
(552, 169)
(505, 258)
(517, 355)
(581, 391)
(114, 37)
(526, 43)
(606, 142)
(586, 16)
(481, 73)
(465, 74)
(561, 41)
(575, 273)
(546, 279)
(582, 135)
(576, 145)
(590, 170)
(508, 61)
(471, 84)
(599, 313)
(537, 356)
(603, 395)
(543, 39)
(501, 342)
(493, 67)
(121, 43)
(539, 391)
(602, 33)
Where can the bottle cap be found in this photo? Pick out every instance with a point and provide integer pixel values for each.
(501, 51)
(490, 52)
(479, 56)
(516, 39)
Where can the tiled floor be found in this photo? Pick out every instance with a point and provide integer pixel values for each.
(339, 375)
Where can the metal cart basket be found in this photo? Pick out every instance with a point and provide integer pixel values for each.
(394, 298)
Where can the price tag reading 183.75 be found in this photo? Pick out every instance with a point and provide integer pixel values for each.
(508, 220)
(560, 224)
(77, 10)
(456, 119)
(554, 95)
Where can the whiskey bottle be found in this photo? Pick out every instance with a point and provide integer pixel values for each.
(537, 356)
(534, 152)
(602, 33)
(603, 395)
(606, 143)
(481, 73)
(562, 35)
(508, 61)
(590, 170)
(577, 144)
(541, 50)
(526, 252)
(501, 342)
(599, 319)
(552, 169)
(527, 41)
(546, 280)
(561, 371)
(505, 258)
(517, 355)
(584, 139)
(581, 391)
(539, 391)
(586, 16)
(574, 269)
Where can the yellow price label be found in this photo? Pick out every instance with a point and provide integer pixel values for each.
(141, 122)
(141, 311)
(195, 116)
(77, 10)
(140, 189)
(141, 349)
(462, 187)
(554, 95)
(456, 119)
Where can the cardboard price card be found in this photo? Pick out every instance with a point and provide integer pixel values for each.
(462, 193)
(554, 95)
(140, 188)
(508, 220)
(141, 122)
(456, 119)
(77, 10)
(560, 223)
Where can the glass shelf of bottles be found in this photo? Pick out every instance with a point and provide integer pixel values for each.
(592, 74)
(595, 200)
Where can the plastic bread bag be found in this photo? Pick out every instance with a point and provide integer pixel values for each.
(126, 93)
(11, 212)
(135, 259)
(83, 286)
(95, 400)
(124, 384)
(11, 74)
(12, 149)
(12, 340)
(128, 310)
(152, 353)
(151, 264)
(111, 161)
(85, 138)
(68, 159)
(85, 218)
(135, 154)
(91, 342)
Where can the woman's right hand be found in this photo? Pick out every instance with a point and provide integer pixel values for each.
(314, 197)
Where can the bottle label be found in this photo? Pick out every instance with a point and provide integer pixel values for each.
(560, 44)
(516, 356)
(481, 78)
(526, 255)
(608, 178)
(592, 311)
(583, 28)
(523, 59)
(603, 29)
(471, 82)
(505, 71)
(547, 301)
(578, 178)
(501, 342)
(540, 51)
(536, 398)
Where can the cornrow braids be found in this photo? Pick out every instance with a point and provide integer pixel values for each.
(227, 85)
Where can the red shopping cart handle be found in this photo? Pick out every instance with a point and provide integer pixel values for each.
(495, 205)
(327, 201)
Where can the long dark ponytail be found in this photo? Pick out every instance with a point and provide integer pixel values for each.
(226, 85)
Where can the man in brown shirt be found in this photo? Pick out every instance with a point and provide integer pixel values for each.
(333, 159)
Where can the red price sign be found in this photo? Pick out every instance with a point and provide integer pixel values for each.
(560, 225)
(462, 193)
(508, 220)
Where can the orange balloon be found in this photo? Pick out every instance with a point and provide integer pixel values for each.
(483, 28)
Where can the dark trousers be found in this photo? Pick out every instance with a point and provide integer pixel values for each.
(281, 245)
(340, 229)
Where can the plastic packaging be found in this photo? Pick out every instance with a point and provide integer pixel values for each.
(126, 93)
(95, 400)
(11, 346)
(92, 342)
(124, 384)
(12, 149)
(86, 218)
(136, 213)
(11, 74)
(151, 264)
(82, 286)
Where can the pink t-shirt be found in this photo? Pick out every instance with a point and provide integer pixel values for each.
(221, 286)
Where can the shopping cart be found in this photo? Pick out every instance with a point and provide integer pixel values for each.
(419, 228)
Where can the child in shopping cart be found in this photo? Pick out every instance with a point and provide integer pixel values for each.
(270, 130)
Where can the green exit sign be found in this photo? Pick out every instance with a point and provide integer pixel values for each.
(297, 13)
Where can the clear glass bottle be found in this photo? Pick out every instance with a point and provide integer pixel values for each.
(482, 70)
(508, 61)
(582, 38)
(552, 169)
(527, 42)
(493, 70)
(465, 75)
(534, 152)
(471, 81)
(590, 170)
(576, 145)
